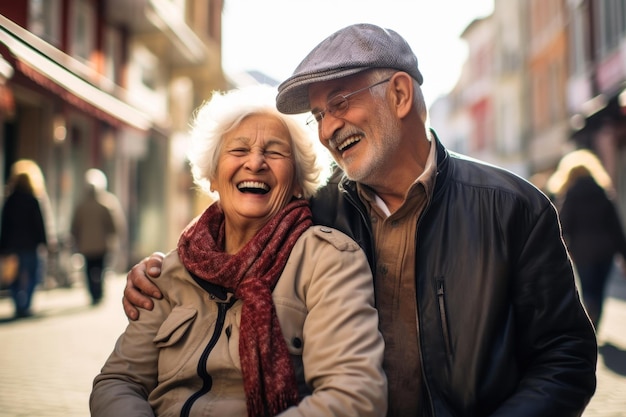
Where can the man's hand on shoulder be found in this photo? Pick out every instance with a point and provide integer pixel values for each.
(139, 290)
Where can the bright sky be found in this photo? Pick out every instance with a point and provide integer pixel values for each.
(273, 36)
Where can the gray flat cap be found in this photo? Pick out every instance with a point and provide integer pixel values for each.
(348, 51)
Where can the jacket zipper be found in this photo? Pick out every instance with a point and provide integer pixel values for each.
(207, 381)
(444, 318)
(429, 407)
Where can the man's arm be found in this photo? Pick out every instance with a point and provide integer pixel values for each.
(139, 290)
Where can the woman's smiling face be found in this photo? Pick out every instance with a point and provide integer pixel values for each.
(256, 175)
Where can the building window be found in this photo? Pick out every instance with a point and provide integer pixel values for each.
(44, 20)
(113, 55)
(82, 29)
(612, 24)
(148, 68)
(579, 39)
(145, 82)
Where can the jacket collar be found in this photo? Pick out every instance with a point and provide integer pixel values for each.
(443, 162)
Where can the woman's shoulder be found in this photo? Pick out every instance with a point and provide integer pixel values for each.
(171, 260)
(172, 268)
(324, 235)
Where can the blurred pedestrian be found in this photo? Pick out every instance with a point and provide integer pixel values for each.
(592, 227)
(23, 233)
(98, 227)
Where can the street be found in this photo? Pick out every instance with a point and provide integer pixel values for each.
(610, 397)
(47, 362)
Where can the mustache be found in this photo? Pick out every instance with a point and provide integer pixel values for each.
(341, 136)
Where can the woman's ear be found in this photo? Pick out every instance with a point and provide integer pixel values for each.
(402, 93)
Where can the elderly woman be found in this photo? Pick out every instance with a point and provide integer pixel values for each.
(262, 313)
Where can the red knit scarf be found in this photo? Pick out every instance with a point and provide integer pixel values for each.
(251, 274)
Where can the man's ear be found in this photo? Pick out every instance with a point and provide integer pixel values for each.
(402, 92)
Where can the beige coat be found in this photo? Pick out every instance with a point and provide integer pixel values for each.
(324, 301)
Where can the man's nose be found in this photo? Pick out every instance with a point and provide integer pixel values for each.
(327, 127)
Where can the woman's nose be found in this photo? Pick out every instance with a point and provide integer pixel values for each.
(256, 161)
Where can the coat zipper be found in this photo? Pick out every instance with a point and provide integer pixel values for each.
(429, 407)
(207, 381)
(444, 318)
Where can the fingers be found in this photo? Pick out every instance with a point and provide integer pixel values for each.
(153, 264)
(139, 288)
(134, 298)
(131, 312)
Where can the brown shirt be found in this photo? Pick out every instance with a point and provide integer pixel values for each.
(394, 284)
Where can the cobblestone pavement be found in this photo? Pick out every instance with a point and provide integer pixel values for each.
(610, 397)
(47, 362)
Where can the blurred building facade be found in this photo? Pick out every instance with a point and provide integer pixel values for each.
(548, 72)
(542, 77)
(109, 84)
(597, 83)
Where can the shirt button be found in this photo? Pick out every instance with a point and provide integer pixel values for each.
(297, 342)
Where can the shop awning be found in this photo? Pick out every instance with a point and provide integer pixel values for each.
(52, 75)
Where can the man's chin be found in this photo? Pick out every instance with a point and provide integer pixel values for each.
(355, 175)
(352, 170)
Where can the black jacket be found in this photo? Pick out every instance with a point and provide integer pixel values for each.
(501, 329)
(591, 224)
(22, 225)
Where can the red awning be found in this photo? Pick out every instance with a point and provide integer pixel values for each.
(56, 78)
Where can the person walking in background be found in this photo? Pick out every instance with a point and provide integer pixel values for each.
(474, 288)
(98, 227)
(592, 227)
(23, 233)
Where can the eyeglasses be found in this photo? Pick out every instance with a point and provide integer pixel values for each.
(338, 105)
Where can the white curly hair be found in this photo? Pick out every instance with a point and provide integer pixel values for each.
(225, 111)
